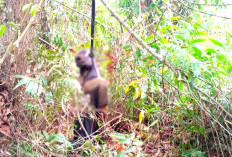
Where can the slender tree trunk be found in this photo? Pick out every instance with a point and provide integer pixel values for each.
(15, 63)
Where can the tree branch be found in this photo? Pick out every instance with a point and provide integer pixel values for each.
(158, 56)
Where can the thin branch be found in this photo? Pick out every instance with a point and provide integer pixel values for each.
(192, 2)
(84, 15)
(160, 19)
(47, 43)
(186, 17)
(158, 56)
(202, 12)
(82, 126)
(12, 44)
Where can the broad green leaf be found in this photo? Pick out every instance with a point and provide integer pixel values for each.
(198, 41)
(197, 53)
(33, 9)
(221, 57)
(215, 42)
(25, 7)
(210, 51)
(20, 83)
(156, 46)
(32, 88)
(201, 33)
(2, 29)
(150, 39)
(229, 70)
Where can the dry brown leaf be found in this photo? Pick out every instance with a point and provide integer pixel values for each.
(1, 104)
(5, 129)
(5, 94)
(1, 122)
(120, 148)
(4, 141)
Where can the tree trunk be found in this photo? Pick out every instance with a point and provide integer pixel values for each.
(15, 63)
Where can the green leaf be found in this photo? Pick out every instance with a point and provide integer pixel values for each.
(124, 141)
(33, 9)
(197, 53)
(32, 88)
(127, 47)
(118, 136)
(175, 18)
(40, 89)
(2, 29)
(221, 57)
(158, 10)
(229, 70)
(51, 138)
(198, 41)
(137, 142)
(25, 7)
(45, 82)
(46, 135)
(152, 124)
(48, 97)
(180, 37)
(202, 130)
(210, 51)
(154, 45)
(150, 39)
(215, 42)
(191, 83)
(13, 25)
(20, 83)
(201, 33)
(128, 150)
(21, 76)
(196, 69)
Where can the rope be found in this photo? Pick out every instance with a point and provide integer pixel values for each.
(92, 28)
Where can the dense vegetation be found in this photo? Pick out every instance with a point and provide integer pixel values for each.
(168, 62)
